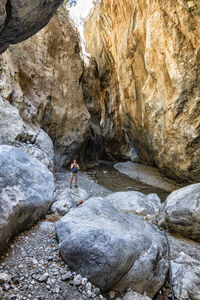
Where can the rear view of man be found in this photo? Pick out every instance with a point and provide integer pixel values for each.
(74, 173)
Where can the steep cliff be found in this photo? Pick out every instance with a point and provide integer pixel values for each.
(106, 139)
(20, 19)
(40, 87)
(148, 55)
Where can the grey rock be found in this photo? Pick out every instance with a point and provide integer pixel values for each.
(186, 277)
(180, 212)
(89, 293)
(88, 286)
(26, 192)
(135, 296)
(43, 277)
(111, 249)
(136, 203)
(67, 199)
(4, 278)
(84, 281)
(77, 279)
(9, 115)
(6, 287)
(41, 149)
(112, 294)
(67, 276)
(21, 19)
(11, 297)
(61, 207)
(47, 226)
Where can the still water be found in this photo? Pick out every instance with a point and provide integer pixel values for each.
(111, 179)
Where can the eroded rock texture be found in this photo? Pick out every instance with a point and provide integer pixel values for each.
(20, 19)
(40, 81)
(148, 58)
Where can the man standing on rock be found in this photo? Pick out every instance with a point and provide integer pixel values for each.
(74, 173)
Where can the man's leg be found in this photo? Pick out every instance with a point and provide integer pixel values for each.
(71, 179)
(76, 180)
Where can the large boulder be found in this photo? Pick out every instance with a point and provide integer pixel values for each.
(15, 132)
(38, 144)
(20, 19)
(26, 192)
(181, 212)
(186, 277)
(68, 198)
(11, 124)
(136, 203)
(111, 249)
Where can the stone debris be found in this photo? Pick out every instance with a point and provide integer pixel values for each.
(135, 296)
(32, 267)
(186, 277)
(4, 278)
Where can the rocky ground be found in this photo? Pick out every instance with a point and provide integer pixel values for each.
(32, 267)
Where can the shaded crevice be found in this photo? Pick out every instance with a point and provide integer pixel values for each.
(8, 12)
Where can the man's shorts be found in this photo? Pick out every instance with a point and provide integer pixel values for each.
(72, 175)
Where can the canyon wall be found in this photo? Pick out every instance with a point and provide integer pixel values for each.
(148, 56)
(41, 93)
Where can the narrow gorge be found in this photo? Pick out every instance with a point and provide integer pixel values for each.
(128, 109)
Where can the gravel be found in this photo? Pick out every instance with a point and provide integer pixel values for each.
(32, 268)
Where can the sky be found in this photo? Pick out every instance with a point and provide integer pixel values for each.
(82, 9)
(78, 12)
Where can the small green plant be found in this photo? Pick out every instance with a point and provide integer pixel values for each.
(193, 7)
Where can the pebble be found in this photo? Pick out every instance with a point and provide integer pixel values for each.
(77, 279)
(4, 278)
(88, 286)
(84, 281)
(112, 295)
(89, 293)
(43, 277)
(6, 287)
(38, 271)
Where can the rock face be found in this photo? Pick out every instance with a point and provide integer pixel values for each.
(181, 212)
(106, 139)
(186, 277)
(111, 249)
(148, 58)
(20, 19)
(132, 202)
(41, 87)
(26, 192)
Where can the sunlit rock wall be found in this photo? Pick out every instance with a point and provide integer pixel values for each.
(148, 54)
